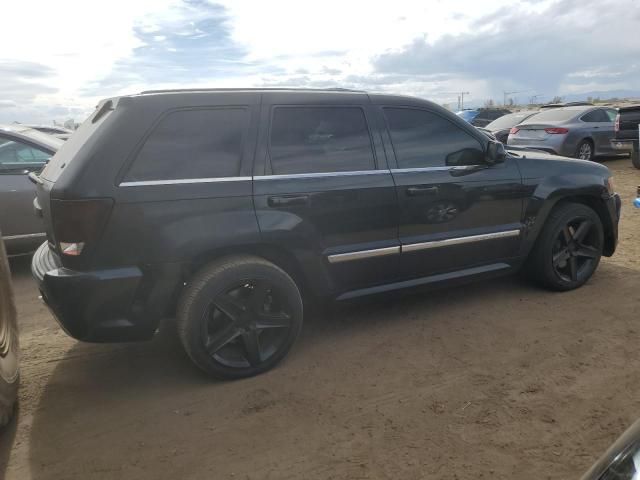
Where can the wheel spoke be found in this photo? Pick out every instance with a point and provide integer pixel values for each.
(230, 306)
(272, 320)
(587, 252)
(227, 335)
(259, 294)
(582, 230)
(560, 257)
(251, 344)
(573, 267)
(566, 233)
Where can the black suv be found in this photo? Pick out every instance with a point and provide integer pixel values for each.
(627, 133)
(224, 208)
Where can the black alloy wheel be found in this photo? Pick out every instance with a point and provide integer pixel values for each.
(239, 316)
(576, 249)
(247, 324)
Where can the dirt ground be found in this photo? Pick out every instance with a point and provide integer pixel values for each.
(493, 380)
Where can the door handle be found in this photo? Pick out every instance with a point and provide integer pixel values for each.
(426, 191)
(288, 200)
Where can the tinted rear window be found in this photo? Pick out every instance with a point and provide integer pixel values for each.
(192, 144)
(553, 115)
(320, 139)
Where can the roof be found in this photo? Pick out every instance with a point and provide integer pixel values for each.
(264, 89)
(34, 136)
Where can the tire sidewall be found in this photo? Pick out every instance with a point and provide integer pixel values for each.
(9, 363)
(583, 142)
(213, 281)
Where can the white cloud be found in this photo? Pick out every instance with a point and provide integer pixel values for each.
(92, 49)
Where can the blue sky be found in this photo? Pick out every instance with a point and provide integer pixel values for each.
(78, 53)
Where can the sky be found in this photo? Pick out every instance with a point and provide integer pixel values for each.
(75, 53)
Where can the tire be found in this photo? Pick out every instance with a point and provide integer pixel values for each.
(569, 248)
(9, 350)
(584, 151)
(635, 159)
(239, 317)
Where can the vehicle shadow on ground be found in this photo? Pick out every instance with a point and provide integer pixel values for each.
(123, 388)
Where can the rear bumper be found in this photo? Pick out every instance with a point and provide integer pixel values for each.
(111, 305)
(624, 146)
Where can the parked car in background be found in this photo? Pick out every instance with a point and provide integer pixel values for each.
(55, 130)
(579, 131)
(22, 151)
(627, 134)
(481, 117)
(223, 207)
(500, 128)
(9, 355)
(565, 104)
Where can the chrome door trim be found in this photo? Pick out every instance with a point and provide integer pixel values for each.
(26, 235)
(320, 174)
(359, 255)
(436, 169)
(183, 181)
(413, 247)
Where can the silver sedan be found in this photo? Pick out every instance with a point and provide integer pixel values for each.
(580, 132)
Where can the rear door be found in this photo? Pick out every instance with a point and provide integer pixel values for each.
(456, 211)
(322, 189)
(18, 223)
(601, 128)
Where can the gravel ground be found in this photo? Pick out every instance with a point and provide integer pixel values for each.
(493, 380)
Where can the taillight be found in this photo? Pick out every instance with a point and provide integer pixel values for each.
(557, 130)
(514, 130)
(616, 125)
(78, 223)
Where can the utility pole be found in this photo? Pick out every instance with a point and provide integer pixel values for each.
(504, 102)
(460, 98)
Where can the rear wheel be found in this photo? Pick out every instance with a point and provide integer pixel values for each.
(8, 342)
(569, 248)
(584, 151)
(239, 317)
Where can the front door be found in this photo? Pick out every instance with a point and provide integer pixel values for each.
(325, 191)
(455, 210)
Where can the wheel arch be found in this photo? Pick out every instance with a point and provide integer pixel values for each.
(535, 221)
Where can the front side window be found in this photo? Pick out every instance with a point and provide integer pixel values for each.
(319, 139)
(423, 139)
(18, 155)
(192, 144)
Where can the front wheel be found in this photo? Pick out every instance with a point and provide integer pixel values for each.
(239, 317)
(569, 248)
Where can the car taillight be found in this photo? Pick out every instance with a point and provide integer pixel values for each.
(616, 125)
(78, 223)
(514, 130)
(557, 130)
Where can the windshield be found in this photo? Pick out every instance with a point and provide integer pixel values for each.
(468, 115)
(554, 115)
(509, 120)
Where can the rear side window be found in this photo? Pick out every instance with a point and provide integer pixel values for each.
(319, 139)
(596, 116)
(191, 144)
(423, 139)
(17, 155)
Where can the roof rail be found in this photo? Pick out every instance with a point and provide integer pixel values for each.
(253, 89)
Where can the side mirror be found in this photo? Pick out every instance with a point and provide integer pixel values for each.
(495, 153)
(621, 461)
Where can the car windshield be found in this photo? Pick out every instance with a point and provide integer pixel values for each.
(468, 115)
(509, 120)
(554, 115)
